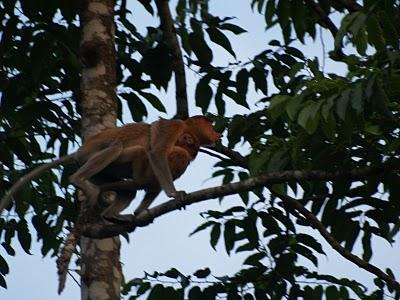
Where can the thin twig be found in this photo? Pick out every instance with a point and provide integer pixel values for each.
(335, 244)
(235, 156)
(171, 40)
(213, 154)
(350, 5)
(325, 21)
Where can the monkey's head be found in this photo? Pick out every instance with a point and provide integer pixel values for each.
(204, 130)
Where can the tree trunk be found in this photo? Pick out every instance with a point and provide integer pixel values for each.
(101, 273)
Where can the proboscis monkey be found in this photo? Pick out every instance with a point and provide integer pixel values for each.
(153, 155)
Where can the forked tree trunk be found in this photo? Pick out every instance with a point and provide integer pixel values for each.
(100, 259)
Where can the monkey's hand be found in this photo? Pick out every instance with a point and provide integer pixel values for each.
(120, 219)
(179, 198)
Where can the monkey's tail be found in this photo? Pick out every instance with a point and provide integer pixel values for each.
(7, 198)
(64, 257)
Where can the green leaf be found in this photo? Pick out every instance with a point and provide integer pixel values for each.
(219, 101)
(9, 249)
(360, 40)
(260, 79)
(24, 236)
(3, 282)
(250, 228)
(358, 22)
(203, 226)
(269, 224)
(366, 242)
(236, 97)
(309, 117)
(283, 13)
(254, 260)
(331, 293)
(203, 93)
(295, 52)
(195, 294)
(157, 64)
(269, 13)
(342, 104)
(144, 287)
(305, 252)
(172, 273)
(203, 273)
(245, 247)
(242, 82)
(352, 230)
(278, 105)
(293, 107)
(147, 5)
(375, 33)
(232, 28)
(157, 292)
(309, 241)
(4, 269)
(257, 161)
(357, 101)
(215, 234)
(299, 17)
(219, 38)
(229, 235)
(154, 101)
(181, 10)
(200, 48)
(135, 105)
(196, 26)
(327, 106)
(329, 127)
(346, 22)
(278, 214)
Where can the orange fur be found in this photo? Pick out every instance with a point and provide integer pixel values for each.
(152, 155)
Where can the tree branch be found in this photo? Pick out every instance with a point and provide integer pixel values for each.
(235, 156)
(167, 26)
(102, 230)
(325, 21)
(350, 5)
(335, 245)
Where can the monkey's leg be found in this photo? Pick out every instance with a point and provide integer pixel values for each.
(124, 185)
(120, 201)
(92, 166)
(111, 216)
(147, 200)
(122, 193)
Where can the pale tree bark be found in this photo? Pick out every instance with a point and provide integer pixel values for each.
(101, 272)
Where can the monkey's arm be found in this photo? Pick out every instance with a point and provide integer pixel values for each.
(163, 137)
(7, 198)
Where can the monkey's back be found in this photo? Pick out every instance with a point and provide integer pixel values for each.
(130, 134)
(135, 134)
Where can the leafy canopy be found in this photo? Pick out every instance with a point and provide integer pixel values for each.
(305, 119)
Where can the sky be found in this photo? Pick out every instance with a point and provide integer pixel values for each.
(166, 243)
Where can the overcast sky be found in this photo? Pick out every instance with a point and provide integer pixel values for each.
(165, 243)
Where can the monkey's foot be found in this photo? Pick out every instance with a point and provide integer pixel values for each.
(180, 199)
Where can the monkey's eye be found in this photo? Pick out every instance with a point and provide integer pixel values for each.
(189, 139)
